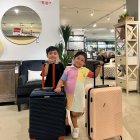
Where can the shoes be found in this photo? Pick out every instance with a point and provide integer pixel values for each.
(67, 130)
(75, 133)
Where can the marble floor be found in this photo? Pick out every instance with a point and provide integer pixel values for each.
(14, 125)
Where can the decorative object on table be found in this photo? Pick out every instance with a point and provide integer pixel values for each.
(65, 31)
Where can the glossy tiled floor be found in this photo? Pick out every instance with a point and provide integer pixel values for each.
(14, 125)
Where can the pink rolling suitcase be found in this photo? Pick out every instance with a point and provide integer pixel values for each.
(103, 112)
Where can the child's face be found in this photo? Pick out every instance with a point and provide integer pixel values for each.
(79, 61)
(53, 55)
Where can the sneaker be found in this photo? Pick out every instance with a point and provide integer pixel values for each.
(75, 133)
(67, 130)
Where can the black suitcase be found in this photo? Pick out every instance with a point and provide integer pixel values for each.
(47, 114)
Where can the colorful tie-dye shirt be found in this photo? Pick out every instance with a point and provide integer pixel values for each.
(74, 86)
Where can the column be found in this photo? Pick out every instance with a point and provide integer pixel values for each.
(133, 8)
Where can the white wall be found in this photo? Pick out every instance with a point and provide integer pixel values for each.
(49, 16)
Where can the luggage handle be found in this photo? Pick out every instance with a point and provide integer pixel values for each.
(94, 69)
(43, 74)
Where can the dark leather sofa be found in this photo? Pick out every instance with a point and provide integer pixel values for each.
(25, 87)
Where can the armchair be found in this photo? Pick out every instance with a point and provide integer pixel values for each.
(28, 82)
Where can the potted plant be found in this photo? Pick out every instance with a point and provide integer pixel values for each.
(125, 16)
(64, 58)
(65, 31)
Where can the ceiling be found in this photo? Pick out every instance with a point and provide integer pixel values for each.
(77, 14)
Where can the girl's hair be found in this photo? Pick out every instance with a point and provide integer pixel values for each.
(81, 53)
(51, 48)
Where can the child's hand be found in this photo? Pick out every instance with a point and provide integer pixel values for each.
(101, 62)
(58, 89)
(50, 61)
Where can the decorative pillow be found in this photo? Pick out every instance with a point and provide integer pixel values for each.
(34, 75)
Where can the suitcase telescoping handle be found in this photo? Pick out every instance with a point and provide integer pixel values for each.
(53, 75)
(95, 63)
(43, 74)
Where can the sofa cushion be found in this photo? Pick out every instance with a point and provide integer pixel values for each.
(34, 75)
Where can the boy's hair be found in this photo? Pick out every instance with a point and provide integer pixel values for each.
(81, 53)
(51, 48)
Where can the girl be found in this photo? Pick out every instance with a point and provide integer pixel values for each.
(73, 79)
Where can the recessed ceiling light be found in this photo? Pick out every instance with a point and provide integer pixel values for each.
(112, 30)
(94, 25)
(124, 9)
(92, 13)
(108, 18)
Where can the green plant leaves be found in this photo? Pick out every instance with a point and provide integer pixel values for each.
(65, 31)
(64, 58)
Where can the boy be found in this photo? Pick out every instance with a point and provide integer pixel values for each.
(53, 57)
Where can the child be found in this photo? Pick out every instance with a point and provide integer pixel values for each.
(53, 57)
(73, 79)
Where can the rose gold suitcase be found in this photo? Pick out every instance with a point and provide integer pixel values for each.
(103, 111)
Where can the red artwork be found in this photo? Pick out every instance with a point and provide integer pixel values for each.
(46, 2)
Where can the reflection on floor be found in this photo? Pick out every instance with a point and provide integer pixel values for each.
(14, 125)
